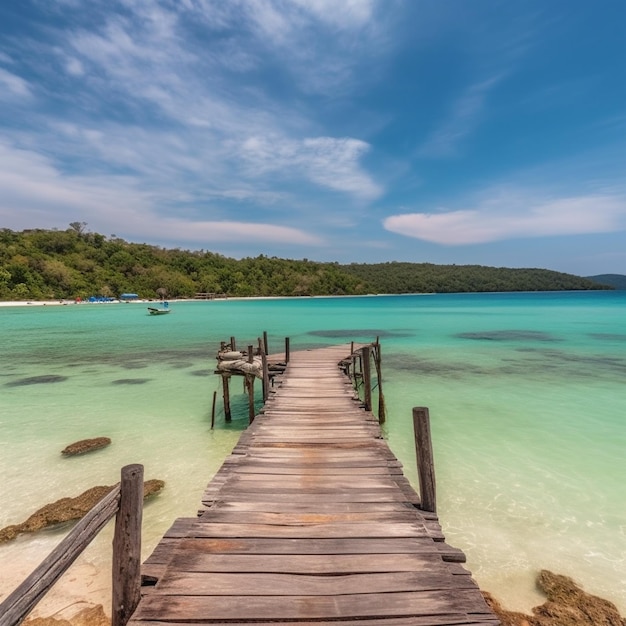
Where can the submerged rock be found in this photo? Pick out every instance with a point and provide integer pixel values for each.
(37, 380)
(85, 445)
(567, 605)
(69, 509)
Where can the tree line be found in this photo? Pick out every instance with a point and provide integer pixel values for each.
(43, 264)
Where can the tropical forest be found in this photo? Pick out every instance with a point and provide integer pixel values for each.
(39, 264)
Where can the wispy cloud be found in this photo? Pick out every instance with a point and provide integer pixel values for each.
(148, 105)
(514, 215)
(466, 114)
(330, 162)
(40, 194)
(12, 86)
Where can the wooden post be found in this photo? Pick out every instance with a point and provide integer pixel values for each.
(354, 357)
(226, 391)
(250, 354)
(352, 347)
(127, 546)
(266, 377)
(286, 349)
(382, 417)
(265, 344)
(233, 345)
(250, 385)
(367, 378)
(213, 410)
(425, 461)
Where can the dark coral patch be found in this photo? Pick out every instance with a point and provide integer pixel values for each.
(608, 336)
(351, 333)
(508, 335)
(134, 365)
(37, 380)
(201, 372)
(429, 367)
(130, 381)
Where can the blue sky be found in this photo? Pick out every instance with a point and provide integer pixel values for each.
(445, 131)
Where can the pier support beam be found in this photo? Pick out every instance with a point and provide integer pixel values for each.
(127, 546)
(226, 392)
(425, 460)
(250, 386)
(367, 377)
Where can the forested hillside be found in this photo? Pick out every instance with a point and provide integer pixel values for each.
(617, 281)
(429, 278)
(73, 263)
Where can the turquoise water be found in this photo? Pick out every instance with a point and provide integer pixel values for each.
(525, 391)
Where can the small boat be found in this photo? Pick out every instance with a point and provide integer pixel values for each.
(163, 311)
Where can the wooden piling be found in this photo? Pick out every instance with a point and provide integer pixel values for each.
(250, 385)
(127, 546)
(425, 460)
(367, 378)
(233, 344)
(382, 417)
(213, 410)
(265, 343)
(226, 393)
(266, 376)
(286, 349)
(250, 354)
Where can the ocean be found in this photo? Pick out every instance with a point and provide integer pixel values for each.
(526, 393)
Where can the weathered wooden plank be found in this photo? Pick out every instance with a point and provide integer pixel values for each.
(311, 482)
(252, 545)
(431, 620)
(311, 507)
(271, 584)
(306, 470)
(310, 531)
(299, 519)
(189, 560)
(361, 495)
(364, 605)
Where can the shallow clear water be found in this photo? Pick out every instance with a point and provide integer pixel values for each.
(525, 391)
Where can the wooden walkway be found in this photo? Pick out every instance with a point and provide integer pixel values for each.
(310, 521)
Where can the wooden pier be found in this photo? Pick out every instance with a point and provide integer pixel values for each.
(310, 521)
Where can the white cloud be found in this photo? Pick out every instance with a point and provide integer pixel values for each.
(13, 85)
(226, 231)
(346, 14)
(497, 219)
(35, 192)
(148, 119)
(319, 42)
(331, 162)
(74, 67)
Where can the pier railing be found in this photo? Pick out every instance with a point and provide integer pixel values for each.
(125, 502)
